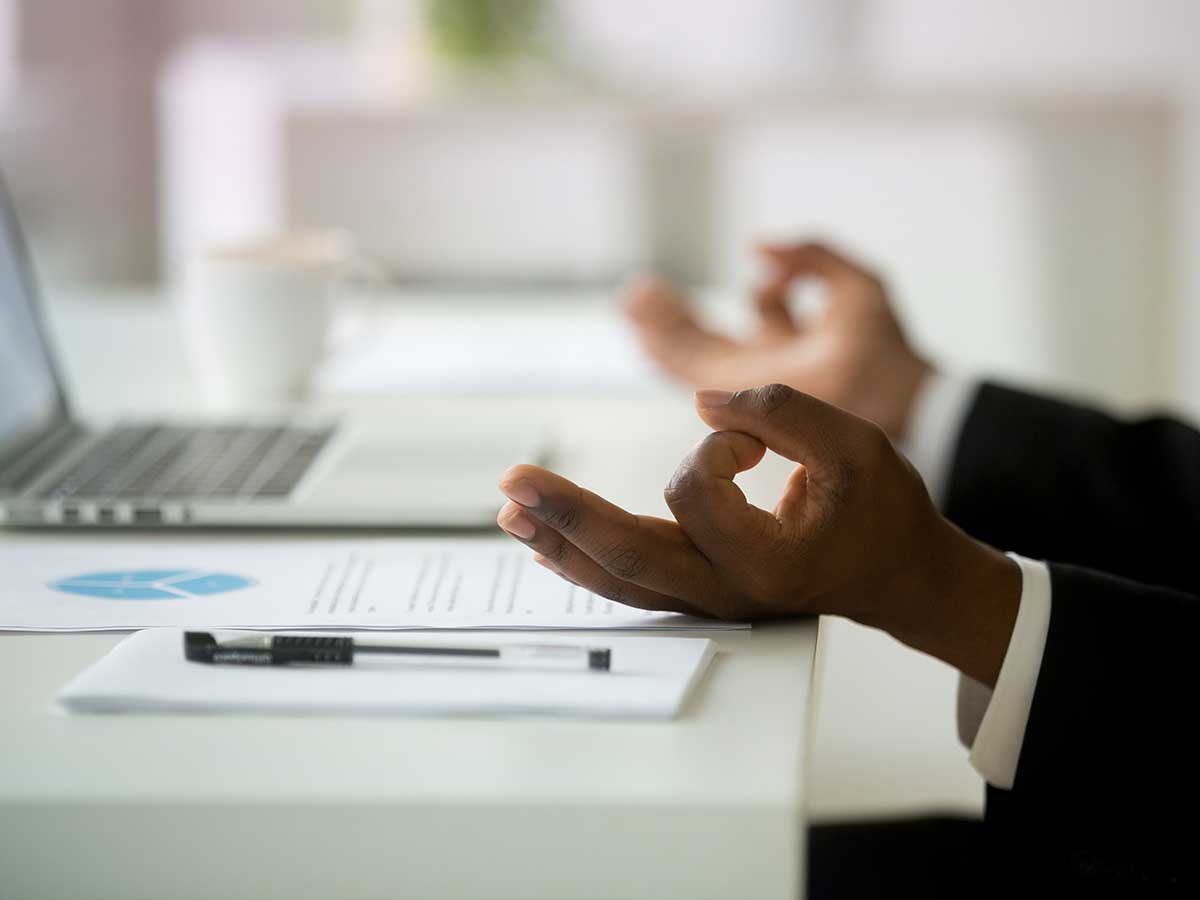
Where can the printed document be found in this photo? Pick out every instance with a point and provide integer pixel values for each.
(235, 582)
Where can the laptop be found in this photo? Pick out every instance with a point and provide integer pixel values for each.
(56, 471)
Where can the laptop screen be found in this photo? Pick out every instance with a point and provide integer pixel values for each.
(29, 395)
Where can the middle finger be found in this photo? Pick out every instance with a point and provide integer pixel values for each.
(563, 558)
(642, 550)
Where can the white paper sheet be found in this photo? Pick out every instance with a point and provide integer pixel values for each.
(650, 678)
(582, 347)
(131, 583)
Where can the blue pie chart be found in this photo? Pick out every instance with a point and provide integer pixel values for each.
(152, 584)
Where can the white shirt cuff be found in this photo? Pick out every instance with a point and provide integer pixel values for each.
(937, 417)
(997, 742)
(990, 721)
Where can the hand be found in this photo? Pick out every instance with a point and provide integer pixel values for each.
(854, 534)
(853, 354)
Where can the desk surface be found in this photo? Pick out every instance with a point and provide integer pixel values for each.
(710, 805)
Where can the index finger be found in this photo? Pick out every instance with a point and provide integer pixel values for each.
(642, 550)
(793, 424)
(811, 258)
(712, 509)
(771, 302)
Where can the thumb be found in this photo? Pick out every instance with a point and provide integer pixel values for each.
(795, 425)
(771, 304)
(809, 259)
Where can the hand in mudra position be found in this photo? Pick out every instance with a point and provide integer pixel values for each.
(853, 354)
(854, 534)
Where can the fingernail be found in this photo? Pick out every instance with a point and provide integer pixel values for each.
(521, 492)
(518, 526)
(711, 399)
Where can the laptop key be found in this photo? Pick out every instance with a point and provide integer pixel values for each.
(102, 465)
(156, 463)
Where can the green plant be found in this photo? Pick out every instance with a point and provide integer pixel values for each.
(484, 31)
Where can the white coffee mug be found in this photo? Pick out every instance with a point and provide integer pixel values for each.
(257, 316)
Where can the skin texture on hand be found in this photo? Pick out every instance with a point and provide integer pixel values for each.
(854, 354)
(854, 534)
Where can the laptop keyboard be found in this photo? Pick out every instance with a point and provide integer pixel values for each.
(219, 462)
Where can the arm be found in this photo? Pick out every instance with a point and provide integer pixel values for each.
(1048, 479)
(1106, 764)
(1085, 800)
(973, 446)
(1030, 474)
(1102, 762)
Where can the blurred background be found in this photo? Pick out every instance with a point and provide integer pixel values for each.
(1025, 172)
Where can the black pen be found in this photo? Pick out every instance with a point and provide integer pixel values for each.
(311, 649)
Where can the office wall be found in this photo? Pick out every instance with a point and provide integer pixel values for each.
(78, 128)
(80, 137)
(1019, 240)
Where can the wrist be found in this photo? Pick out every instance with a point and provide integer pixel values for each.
(963, 606)
(902, 378)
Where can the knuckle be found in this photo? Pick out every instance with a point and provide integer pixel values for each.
(842, 479)
(556, 550)
(879, 442)
(622, 561)
(724, 534)
(564, 519)
(613, 591)
(855, 458)
(767, 399)
(875, 450)
(683, 485)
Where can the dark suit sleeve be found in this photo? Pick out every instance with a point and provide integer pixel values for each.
(1108, 761)
(1107, 773)
(1051, 480)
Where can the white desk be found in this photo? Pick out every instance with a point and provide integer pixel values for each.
(710, 805)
